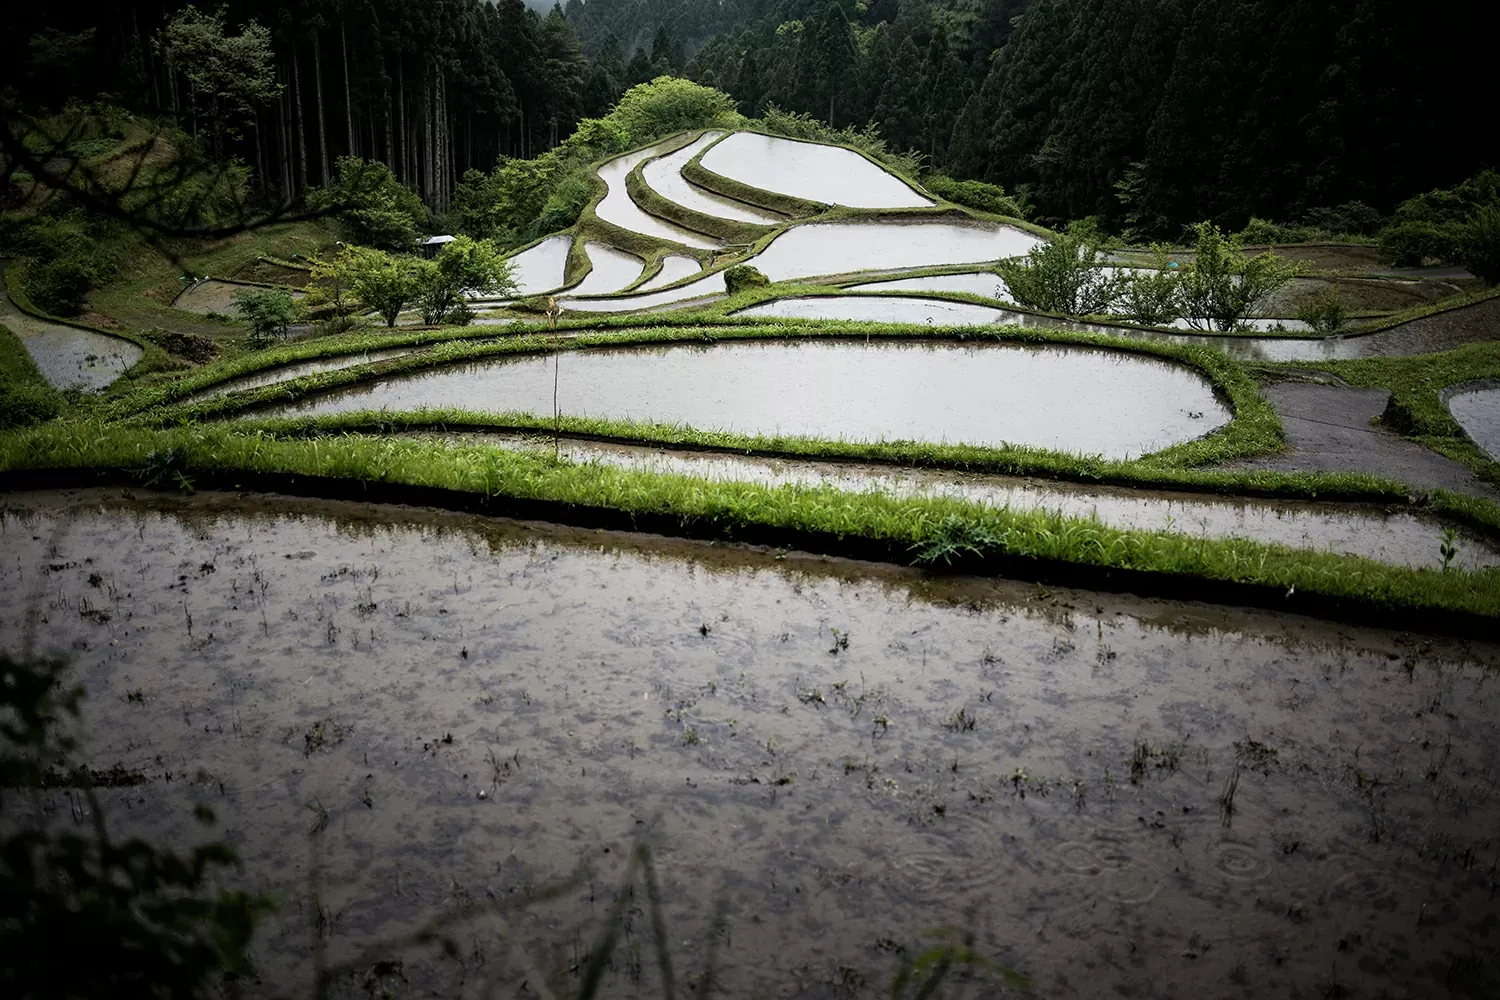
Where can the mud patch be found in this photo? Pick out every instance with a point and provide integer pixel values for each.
(465, 710)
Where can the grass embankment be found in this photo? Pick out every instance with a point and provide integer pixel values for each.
(26, 397)
(649, 201)
(141, 298)
(1039, 544)
(1417, 408)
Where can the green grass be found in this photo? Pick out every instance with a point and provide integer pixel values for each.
(728, 230)
(25, 395)
(915, 529)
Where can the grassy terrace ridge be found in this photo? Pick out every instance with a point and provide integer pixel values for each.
(1040, 544)
(648, 200)
(1255, 429)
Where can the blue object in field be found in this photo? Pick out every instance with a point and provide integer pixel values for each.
(1174, 265)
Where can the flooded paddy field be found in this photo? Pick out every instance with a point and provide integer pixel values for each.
(285, 373)
(1112, 795)
(673, 268)
(69, 356)
(831, 175)
(664, 176)
(1390, 536)
(211, 296)
(613, 270)
(540, 268)
(1477, 411)
(827, 248)
(1079, 400)
(617, 208)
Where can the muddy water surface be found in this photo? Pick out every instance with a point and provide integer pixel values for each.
(1117, 797)
(828, 174)
(712, 284)
(982, 283)
(1067, 399)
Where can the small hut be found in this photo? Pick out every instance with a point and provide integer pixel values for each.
(433, 245)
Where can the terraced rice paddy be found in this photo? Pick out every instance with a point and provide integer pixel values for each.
(1108, 794)
(211, 296)
(673, 269)
(68, 356)
(1075, 400)
(618, 209)
(664, 176)
(540, 268)
(613, 270)
(830, 175)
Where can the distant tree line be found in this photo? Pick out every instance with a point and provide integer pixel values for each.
(1148, 114)
(431, 89)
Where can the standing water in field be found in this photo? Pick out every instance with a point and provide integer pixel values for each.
(68, 356)
(613, 270)
(845, 247)
(673, 268)
(1084, 401)
(664, 176)
(617, 208)
(1117, 797)
(540, 268)
(831, 175)
(1477, 411)
(985, 283)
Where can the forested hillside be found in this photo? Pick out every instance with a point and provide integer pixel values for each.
(1148, 114)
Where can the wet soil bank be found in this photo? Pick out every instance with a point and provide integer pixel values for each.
(1116, 796)
(1330, 429)
(1046, 571)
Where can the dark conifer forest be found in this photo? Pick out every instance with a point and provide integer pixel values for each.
(1147, 114)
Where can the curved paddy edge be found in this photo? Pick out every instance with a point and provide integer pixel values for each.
(1340, 588)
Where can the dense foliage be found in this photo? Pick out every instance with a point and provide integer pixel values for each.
(1150, 114)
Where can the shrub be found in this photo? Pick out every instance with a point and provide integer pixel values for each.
(743, 276)
(1152, 296)
(564, 204)
(63, 257)
(27, 402)
(269, 311)
(975, 194)
(1481, 244)
(669, 104)
(1066, 275)
(1411, 244)
(1352, 218)
(1221, 287)
(372, 207)
(1325, 312)
(1266, 232)
(383, 282)
(465, 265)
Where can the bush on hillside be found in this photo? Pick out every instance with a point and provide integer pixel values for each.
(1066, 275)
(1411, 244)
(1481, 246)
(463, 267)
(743, 276)
(62, 258)
(1222, 287)
(975, 194)
(269, 311)
(372, 207)
(1324, 313)
(24, 403)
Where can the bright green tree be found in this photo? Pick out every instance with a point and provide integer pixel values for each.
(1222, 287)
(464, 267)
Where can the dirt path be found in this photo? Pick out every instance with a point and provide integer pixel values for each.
(1328, 429)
